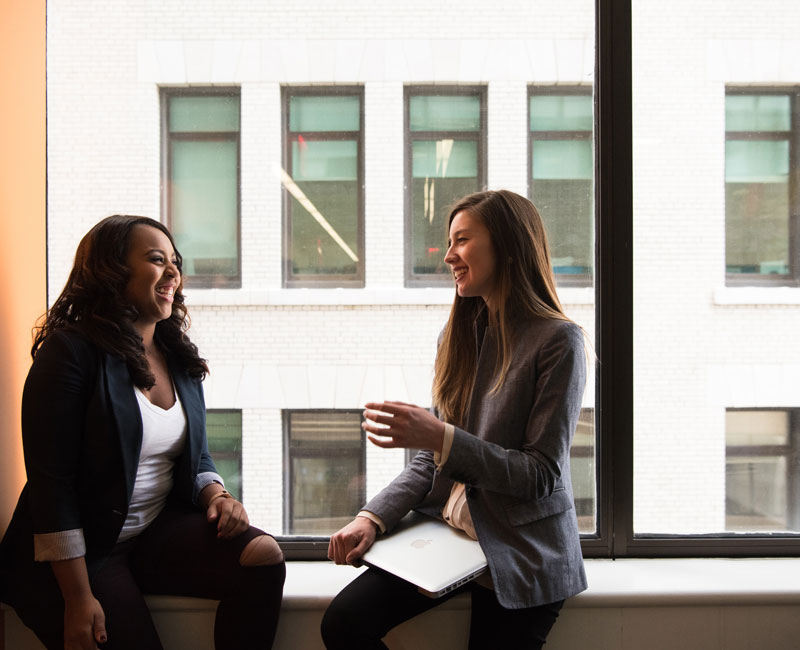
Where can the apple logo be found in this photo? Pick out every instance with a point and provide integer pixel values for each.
(420, 543)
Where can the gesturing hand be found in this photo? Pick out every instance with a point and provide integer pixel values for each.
(352, 541)
(403, 425)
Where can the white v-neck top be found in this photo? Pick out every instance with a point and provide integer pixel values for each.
(163, 438)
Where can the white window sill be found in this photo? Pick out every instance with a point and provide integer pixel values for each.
(366, 296)
(612, 583)
(757, 296)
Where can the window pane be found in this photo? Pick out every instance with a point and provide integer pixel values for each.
(203, 114)
(324, 113)
(444, 113)
(325, 161)
(758, 474)
(323, 190)
(715, 272)
(444, 159)
(204, 206)
(327, 482)
(582, 463)
(224, 430)
(443, 171)
(758, 113)
(560, 159)
(562, 179)
(567, 209)
(561, 112)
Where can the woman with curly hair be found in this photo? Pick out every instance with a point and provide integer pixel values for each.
(122, 496)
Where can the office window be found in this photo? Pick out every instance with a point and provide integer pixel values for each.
(323, 186)
(200, 188)
(561, 177)
(224, 430)
(445, 160)
(762, 208)
(762, 470)
(325, 483)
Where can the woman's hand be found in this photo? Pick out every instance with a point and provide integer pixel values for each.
(403, 425)
(229, 513)
(352, 541)
(84, 624)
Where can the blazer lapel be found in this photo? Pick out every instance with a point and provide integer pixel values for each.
(193, 410)
(125, 414)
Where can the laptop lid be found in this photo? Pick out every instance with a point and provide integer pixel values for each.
(428, 553)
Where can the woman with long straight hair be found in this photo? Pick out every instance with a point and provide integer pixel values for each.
(122, 496)
(509, 379)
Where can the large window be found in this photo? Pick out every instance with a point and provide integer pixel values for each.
(445, 160)
(762, 201)
(325, 482)
(224, 430)
(562, 176)
(762, 470)
(201, 182)
(323, 187)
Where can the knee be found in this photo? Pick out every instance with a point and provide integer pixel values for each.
(338, 630)
(261, 551)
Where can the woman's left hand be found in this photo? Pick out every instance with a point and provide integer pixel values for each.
(230, 516)
(403, 425)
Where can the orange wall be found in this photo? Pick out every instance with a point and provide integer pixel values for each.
(23, 247)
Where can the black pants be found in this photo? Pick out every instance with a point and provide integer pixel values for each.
(179, 554)
(375, 602)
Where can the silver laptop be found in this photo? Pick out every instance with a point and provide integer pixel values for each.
(428, 553)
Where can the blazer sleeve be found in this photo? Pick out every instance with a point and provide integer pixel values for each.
(535, 470)
(54, 407)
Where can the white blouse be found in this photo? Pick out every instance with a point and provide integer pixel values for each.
(163, 438)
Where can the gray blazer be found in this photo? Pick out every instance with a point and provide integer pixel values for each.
(515, 464)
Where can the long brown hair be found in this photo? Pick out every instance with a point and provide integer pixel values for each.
(93, 302)
(524, 285)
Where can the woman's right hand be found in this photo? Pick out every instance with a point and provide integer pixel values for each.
(352, 541)
(84, 624)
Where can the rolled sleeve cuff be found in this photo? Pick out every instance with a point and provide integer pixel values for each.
(63, 545)
(447, 443)
(375, 519)
(203, 480)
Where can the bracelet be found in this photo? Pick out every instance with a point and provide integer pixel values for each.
(222, 493)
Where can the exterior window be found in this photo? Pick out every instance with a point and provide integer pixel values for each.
(224, 430)
(201, 182)
(761, 207)
(325, 480)
(762, 470)
(445, 159)
(323, 187)
(584, 479)
(562, 176)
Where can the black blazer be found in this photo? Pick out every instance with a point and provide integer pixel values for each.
(82, 435)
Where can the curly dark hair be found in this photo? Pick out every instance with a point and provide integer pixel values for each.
(93, 302)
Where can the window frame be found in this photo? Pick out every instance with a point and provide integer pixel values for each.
(792, 279)
(415, 280)
(201, 281)
(540, 90)
(310, 280)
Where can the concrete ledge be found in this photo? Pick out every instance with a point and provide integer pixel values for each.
(634, 603)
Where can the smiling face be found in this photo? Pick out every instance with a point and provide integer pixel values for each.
(471, 256)
(154, 277)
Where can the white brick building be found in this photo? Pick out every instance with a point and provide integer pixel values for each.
(701, 347)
